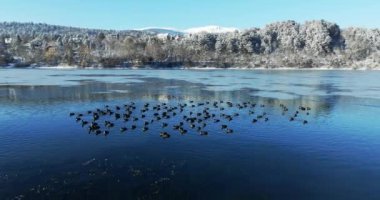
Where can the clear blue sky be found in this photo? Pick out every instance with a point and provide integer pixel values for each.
(181, 14)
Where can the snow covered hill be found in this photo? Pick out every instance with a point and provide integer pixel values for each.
(195, 30)
(210, 29)
(158, 30)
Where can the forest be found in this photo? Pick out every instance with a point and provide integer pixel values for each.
(289, 44)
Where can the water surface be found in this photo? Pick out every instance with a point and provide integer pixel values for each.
(45, 154)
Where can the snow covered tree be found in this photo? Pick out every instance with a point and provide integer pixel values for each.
(283, 44)
(320, 37)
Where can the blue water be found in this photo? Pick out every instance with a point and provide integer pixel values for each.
(45, 154)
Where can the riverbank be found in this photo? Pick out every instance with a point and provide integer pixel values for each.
(195, 68)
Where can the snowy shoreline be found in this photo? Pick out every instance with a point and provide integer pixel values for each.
(199, 68)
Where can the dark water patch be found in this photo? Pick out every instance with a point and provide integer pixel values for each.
(59, 75)
(330, 88)
(248, 78)
(129, 177)
(215, 85)
(111, 75)
(81, 80)
(324, 87)
(98, 75)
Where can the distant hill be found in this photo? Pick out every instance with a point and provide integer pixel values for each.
(156, 30)
(211, 29)
(313, 44)
(195, 30)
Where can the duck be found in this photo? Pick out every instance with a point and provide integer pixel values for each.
(203, 133)
(176, 127)
(84, 123)
(106, 132)
(229, 130)
(108, 124)
(165, 135)
(94, 128)
(182, 131)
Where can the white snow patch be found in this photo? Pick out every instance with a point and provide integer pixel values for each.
(195, 30)
(210, 29)
(157, 28)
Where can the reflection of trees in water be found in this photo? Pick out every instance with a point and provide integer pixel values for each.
(320, 105)
(325, 88)
(326, 98)
(85, 91)
(159, 90)
(151, 88)
(12, 94)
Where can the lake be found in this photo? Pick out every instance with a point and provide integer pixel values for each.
(329, 148)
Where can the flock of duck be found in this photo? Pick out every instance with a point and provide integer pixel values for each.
(189, 116)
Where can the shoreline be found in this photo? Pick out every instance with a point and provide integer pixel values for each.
(199, 68)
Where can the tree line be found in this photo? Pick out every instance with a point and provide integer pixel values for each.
(282, 44)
